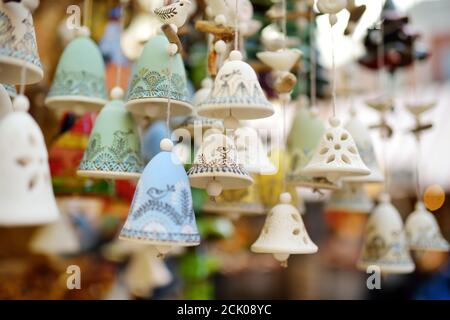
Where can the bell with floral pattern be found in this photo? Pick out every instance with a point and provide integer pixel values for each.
(216, 166)
(162, 213)
(18, 48)
(423, 231)
(385, 243)
(79, 82)
(26, 193)
(157, 77)
(336, 156)
(113, 150)
(236, 94)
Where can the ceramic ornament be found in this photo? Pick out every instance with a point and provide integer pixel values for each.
(162, 213)
(58, 238)
(223, 12)
(284, 233)
(156, 77)
(351, 197)
(216, 166)
(18, 47)
(236, 94)
(381, 104)
(194, 120)
(252, 153)
(174, 14)
(332, 7)
(363, 141)
(79, 82)
(282, 60)
(5, 102)
(417, 109)
(145, 272)
(422, 231)
(336, 156)
(113, 150)
(385, 243)
(306, 133)
(26, 193)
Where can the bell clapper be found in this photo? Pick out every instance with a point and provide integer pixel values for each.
(231, 122)
(162, 251)
(166, 145)
(214, 188)
(282, 258)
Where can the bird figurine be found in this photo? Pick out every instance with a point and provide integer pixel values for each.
(174, 14)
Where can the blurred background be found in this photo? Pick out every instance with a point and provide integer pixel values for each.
(223, 267)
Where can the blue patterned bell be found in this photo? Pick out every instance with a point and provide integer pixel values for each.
(162, 213)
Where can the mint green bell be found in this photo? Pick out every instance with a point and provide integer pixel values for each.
(150, 88)
(79, 83)
(306, 132)
(113, 150)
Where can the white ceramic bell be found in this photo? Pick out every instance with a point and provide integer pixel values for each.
(236, 93)
(18, 48)
(363, 141)
(280, 60)
(58, 238)
(416, 109)
(284, 233)
(331, 6)
(381, 104)
(216, 166)
(252, 153)
(385, 244)
(336, 156)
(423, 231)
(5, 102)
(26, 193)
(145, 272)
(352, 198)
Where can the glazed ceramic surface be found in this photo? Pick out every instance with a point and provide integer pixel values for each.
(18, 48)
(161, 212)
(158, 76)
(26, 193)
(113, 150)
(423, 231)
(280, 60)
(217, 159)
(385, 244)
(79, 82)
(237, 93)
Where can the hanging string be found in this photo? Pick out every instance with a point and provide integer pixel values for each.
(169, 98)
(87, 6)
(236, 27)
(417, 171)
(23, 78)
(284, 104)
(284, 23)
(333, 68)
(312, 64)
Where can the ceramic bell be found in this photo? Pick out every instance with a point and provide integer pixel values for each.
(381, 104)
(234, 203)
(149, 88)
(145, 272)
(252, 153)
(284, 233)
(352, 198)
(26, 193)
(385, 244)
(236, 94)
(423, 231)
(5, 102)
(216, 166)
(363, 141)
(113, 151)
(336, 156)
(18, 48)
(305, 135)
(161, 213)
(58, 238)
(79, 83)
(194, 120)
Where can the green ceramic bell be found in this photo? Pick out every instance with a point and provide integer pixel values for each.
(113, 151)
(79, 83)
(149, 88)
(306, 132)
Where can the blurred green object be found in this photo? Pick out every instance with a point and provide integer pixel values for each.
(199, 197)
(215, 227)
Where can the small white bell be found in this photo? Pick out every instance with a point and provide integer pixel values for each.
(336, 156)
(385, 243)
(423, 231)
(284, 233)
